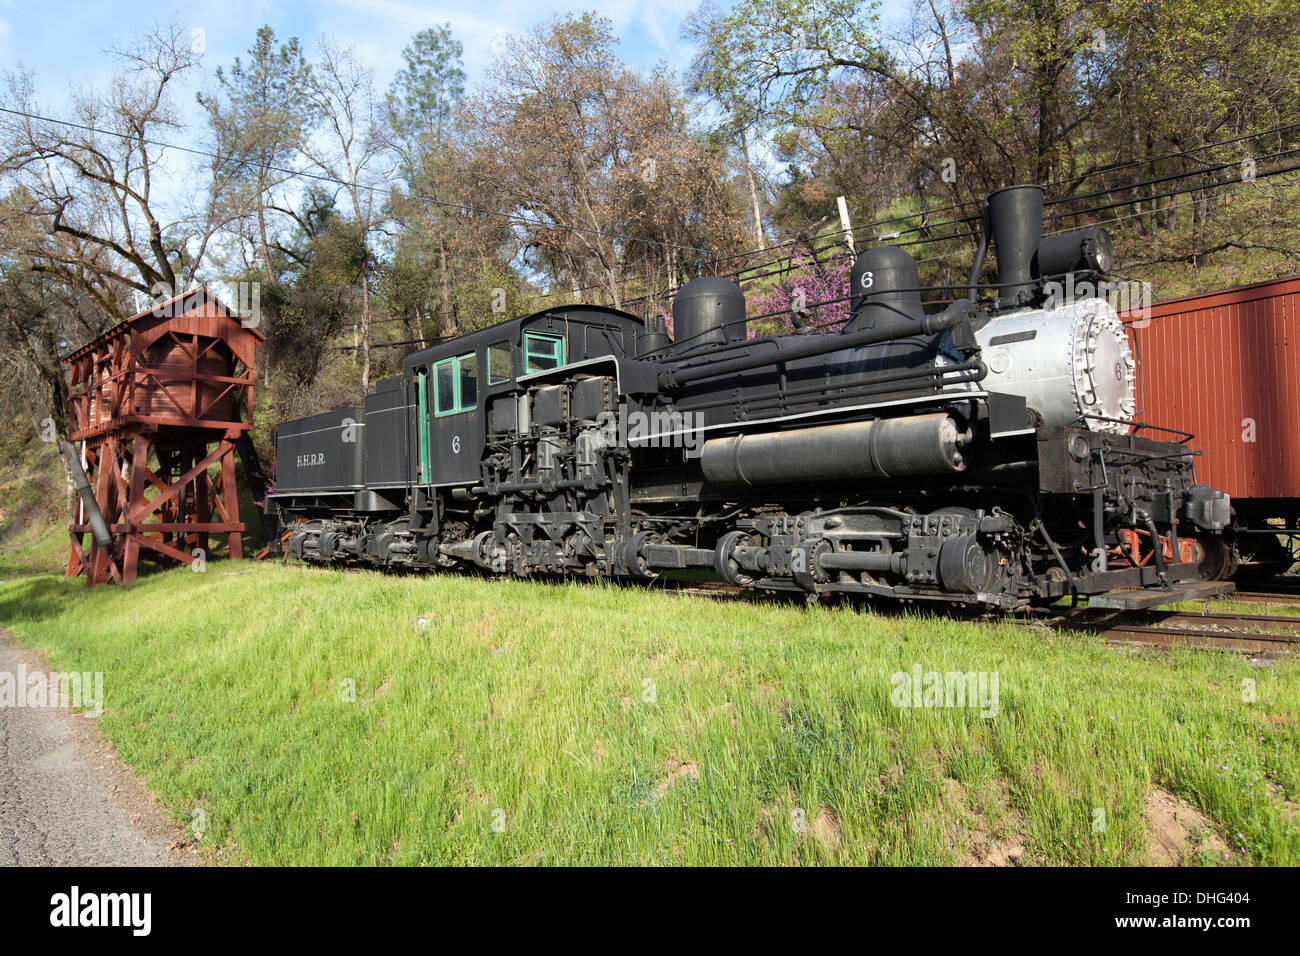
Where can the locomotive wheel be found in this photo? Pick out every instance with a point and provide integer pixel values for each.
(1215, 559)
(636, 563)
(727, 567)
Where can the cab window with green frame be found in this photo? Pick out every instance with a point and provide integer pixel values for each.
(499, 369)
(455, 385)
(542, 351)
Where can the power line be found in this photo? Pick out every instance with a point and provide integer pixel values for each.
(1154, 180)
(1076, 213)
(517, 219)
(1090, 175)
(815, 305)
(1233, 181)
(1156, 159)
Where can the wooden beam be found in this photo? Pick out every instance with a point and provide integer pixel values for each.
(142, 512)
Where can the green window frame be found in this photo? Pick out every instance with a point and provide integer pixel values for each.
(545, 348)
(422, 418)
(455, 385)
(499, 364)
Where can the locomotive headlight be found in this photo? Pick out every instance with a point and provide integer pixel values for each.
(1084, 250)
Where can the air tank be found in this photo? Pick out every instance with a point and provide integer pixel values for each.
(708, 311)
(876, 448)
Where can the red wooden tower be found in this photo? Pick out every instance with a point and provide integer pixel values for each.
(157, 404)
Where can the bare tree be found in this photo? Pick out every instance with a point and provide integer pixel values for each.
(91, 177)
(349, 148)
(595, 162)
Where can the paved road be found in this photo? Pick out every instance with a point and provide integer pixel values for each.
(64, 798)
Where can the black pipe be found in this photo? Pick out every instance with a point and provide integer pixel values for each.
(507, 487)
(963, 373)
(877, 561)
(980, 252)
(957, 312)
(1016, 224)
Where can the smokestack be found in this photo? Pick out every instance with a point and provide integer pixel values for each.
(1016, 223)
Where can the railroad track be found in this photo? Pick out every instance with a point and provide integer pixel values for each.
(1255, 634)
(1283, 598)
(1259, 635)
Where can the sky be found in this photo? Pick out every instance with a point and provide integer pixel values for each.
(64, 43)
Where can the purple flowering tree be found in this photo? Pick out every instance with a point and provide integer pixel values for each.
(806, 284)
(265, 473)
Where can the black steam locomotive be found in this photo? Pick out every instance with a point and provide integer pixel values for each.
(978, 454)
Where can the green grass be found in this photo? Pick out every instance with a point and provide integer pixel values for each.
(33, 495)
(527, 704)
(37, 550)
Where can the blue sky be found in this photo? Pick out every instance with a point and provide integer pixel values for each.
(64, 42)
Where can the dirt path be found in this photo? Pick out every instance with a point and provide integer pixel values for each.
(65, 799)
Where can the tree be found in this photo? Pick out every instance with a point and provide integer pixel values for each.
(258, 120)
(596, 165)
(424, 94)
(316, 297)
(1183, 75)
(91, 179)
(419, 105)
(350, 150)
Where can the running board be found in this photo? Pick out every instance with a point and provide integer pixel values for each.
(1142, 598)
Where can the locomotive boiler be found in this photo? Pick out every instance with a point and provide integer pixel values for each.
(984, 453)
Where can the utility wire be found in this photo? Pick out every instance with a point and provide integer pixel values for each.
(517, 219)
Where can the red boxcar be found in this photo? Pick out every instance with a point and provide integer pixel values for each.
(1225, 366)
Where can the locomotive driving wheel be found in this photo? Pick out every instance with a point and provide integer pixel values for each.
(726, 565)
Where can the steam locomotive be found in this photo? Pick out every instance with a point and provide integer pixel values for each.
(979, 455)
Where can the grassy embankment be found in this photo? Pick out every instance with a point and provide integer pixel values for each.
(33, 500)
(595, 724)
